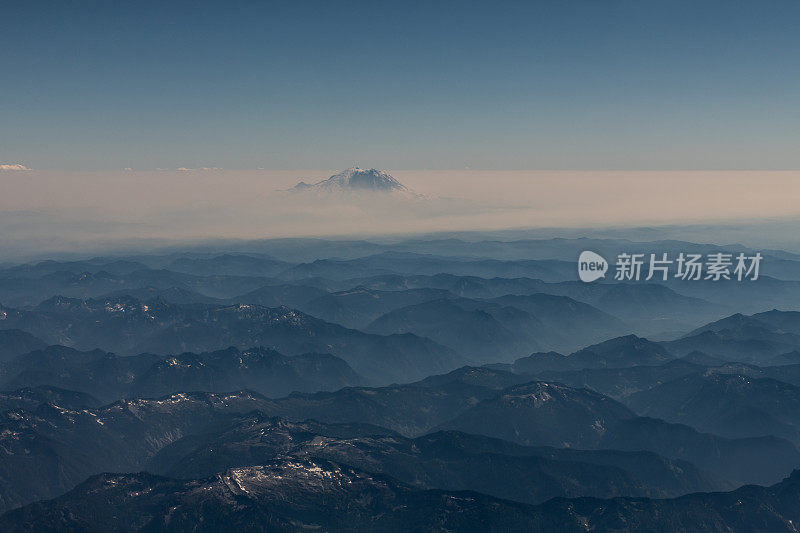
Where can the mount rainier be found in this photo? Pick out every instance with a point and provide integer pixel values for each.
(356, 180)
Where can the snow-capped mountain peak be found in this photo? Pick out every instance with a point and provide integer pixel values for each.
(356, 179)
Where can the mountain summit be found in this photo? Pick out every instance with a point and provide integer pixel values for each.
(356, 180)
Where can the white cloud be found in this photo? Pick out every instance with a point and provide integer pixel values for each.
(6, 166)
(185, 169)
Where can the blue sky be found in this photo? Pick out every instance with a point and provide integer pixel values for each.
(594, 85)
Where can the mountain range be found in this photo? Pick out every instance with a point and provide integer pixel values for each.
(128, 326)
(455, 382)
(110, 377)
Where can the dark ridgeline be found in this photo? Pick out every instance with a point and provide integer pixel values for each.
(127, 326)
(417, 385)
(289, 494)
(110, 377)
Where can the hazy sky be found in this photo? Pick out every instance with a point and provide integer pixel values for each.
(49, 211)
(400, 85)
